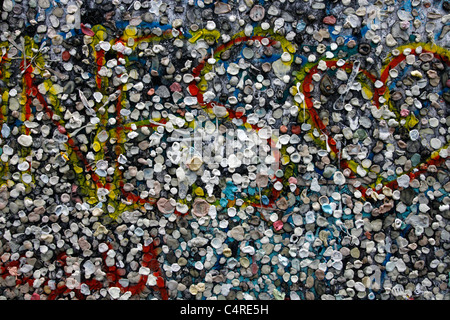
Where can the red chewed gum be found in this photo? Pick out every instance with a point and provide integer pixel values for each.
(61, 129)
(278, 225)
(176, 87)
(86, 30)
(35, 296)
(65, 55)
(296, 129)
(254, 268)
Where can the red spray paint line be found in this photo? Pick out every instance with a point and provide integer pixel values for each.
(30, 91)
(100, 62)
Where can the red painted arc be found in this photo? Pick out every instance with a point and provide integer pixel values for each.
(377, 93)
